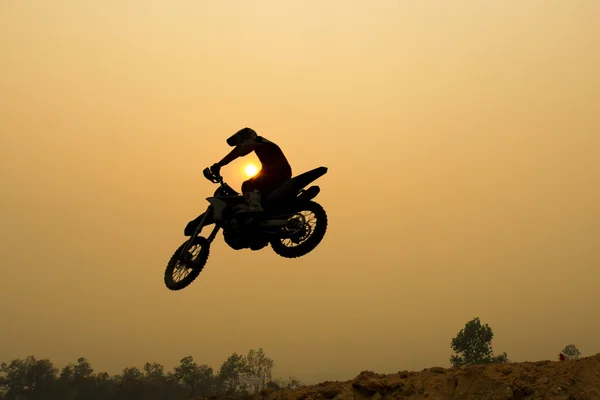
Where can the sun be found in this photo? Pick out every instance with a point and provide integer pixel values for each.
(251, 170)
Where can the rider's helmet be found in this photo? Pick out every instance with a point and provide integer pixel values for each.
(242, 136)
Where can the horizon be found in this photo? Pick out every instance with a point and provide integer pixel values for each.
(215, 368)
(463, 180)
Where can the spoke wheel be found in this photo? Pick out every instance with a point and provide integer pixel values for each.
(182, 269)
(304, 232)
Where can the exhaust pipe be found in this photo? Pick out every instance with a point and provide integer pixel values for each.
(273, 223)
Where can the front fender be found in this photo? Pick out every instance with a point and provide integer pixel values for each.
(218, 206)
(191, 226)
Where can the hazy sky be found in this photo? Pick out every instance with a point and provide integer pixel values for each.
(464, 179)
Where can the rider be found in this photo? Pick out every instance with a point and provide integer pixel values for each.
(275, 166)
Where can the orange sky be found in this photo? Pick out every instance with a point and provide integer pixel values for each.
(462, 144)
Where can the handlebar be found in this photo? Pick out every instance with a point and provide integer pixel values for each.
(211, 177)
(224, 189)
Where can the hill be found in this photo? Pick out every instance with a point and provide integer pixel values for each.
(564, 380)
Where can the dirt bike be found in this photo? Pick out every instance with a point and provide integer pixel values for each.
(283, 224)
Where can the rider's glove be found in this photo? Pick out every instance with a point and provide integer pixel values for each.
(215, 169)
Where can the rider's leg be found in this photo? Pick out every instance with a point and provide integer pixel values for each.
(259, 187)
(249, 187)
(252, 195)
(253, 190)
(253, 200)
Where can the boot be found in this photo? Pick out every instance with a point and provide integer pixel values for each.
(253, 200)
(243, 206)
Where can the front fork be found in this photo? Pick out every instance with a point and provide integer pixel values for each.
(199, 228)
(214, 232)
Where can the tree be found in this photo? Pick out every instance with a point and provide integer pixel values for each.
(473, 346)
(82, 378)
(30, 378)
(130, 383)
(197, 379)
(83, 369)
(106, 387)
(571, 352)
(155, 380)
(65, 382)
(154, 372)
(259, 365)
(230, 371)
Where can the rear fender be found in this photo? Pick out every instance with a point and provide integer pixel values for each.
(305, 179)
(292, 187)
(308, 194)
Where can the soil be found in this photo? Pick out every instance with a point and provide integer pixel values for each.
(564, 380)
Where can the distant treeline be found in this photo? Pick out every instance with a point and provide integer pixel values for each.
(33, 379)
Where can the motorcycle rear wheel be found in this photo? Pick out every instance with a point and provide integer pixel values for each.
(307, 237)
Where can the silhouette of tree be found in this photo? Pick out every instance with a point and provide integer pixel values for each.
(32, 379)
(131, 384)
(65, 383)
(473, 345)
(154, 373)
(571, 352)
(259, 365)
(83, 379)
(105, 387)
(196, 379)
(82, 370)
(155, 381)
(229, 373)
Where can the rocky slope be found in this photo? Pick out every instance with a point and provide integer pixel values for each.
(564, 380)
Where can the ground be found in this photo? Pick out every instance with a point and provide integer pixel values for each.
(564, 380)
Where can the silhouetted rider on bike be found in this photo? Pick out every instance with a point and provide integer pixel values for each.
(275, 168)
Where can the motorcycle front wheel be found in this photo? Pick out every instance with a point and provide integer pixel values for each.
(182, 269)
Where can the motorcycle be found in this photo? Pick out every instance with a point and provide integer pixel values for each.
(283, 225)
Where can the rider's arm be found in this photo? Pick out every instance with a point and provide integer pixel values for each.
(238, 151)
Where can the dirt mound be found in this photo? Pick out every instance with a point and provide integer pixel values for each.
(565, 380)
